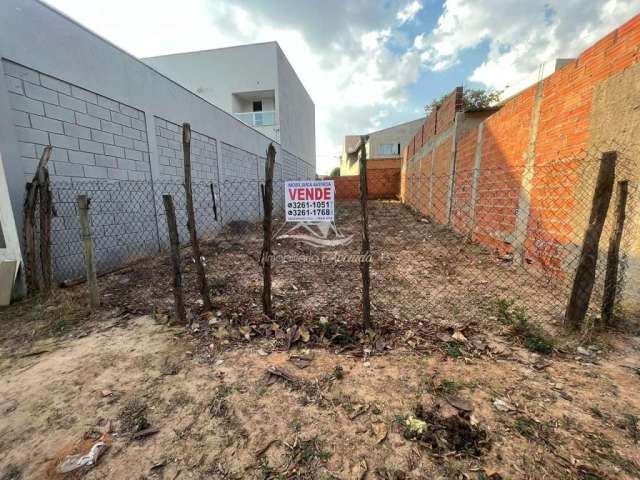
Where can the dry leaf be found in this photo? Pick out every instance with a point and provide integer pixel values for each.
(246, 332)
(380, 431)
(459, 337)
(359, 471)
(304, 334)
(459, 403)
(221, 332)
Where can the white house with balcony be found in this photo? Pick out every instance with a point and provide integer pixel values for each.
(255, 83)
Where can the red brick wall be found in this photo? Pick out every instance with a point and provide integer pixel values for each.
(384, 163)
(446, 113)
(465, 160)
(381, 183)
(440, 181)
(563, 133)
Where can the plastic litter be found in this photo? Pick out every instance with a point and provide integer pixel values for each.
(75, 462)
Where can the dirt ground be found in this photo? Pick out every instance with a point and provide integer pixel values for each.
(446, 384)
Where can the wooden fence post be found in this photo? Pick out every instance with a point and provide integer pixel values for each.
(174, 242)
(586, 270)
(191, 222)
(267, 306)
(365, 250)
(89, 253)
(46, 211)
(613, 254)
(29, 226)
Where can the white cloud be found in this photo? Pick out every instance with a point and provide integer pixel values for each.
(524, 38)
(409, 12)
(356, 58)
(349, 80)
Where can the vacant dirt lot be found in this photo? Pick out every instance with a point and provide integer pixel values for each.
(464, 376)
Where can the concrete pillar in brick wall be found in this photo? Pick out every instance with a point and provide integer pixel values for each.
(524, 201)
(477, 164)
(457, 122)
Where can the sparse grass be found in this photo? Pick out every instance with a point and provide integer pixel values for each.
(218, 406)
(631, 426)
(58, 327)
(453, 350)
(305, 458)
(533, 335)
(525, 427)
(307, 451)
(451, 387)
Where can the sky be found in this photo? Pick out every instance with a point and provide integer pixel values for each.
(369, 64)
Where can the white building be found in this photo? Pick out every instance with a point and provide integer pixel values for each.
(256, 83)
(384, 148)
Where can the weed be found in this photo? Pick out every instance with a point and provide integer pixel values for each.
(267, 472)
(503, 310)
(307, 451)
(296, 426)
(534, 337)
(451, 387)
(218, 406)
(453, 350)
(525, 427)
(58, 327)
(632, 426)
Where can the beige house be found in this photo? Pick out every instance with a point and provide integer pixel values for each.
(384, 148)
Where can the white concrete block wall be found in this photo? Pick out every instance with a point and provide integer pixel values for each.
(98, 107)
(204, 154)
(204, 171)
(240, 190)
(93, 137)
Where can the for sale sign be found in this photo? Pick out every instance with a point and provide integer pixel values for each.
(310, 201)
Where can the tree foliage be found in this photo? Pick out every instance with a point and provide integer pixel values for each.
(335, 172)
(472, 99)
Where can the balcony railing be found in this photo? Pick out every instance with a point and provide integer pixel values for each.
(257, 119)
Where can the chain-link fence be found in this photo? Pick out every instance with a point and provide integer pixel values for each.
(464, 240)
(444, 246)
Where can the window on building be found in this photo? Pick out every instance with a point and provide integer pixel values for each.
(257, 106)
(389, 149)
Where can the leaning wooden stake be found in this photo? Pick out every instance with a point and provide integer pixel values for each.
(29, 225)
(267, 307)
(191, 218)
(586, 271)
(89, 253)
(613, 255)
(46, 212)
(365, 251)
(174, 241)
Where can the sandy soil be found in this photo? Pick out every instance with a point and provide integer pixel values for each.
(221, 416)
(230, 400)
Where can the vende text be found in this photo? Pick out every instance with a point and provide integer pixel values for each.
(318, 193)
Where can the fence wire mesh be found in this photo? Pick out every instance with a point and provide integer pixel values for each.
(443, 245)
